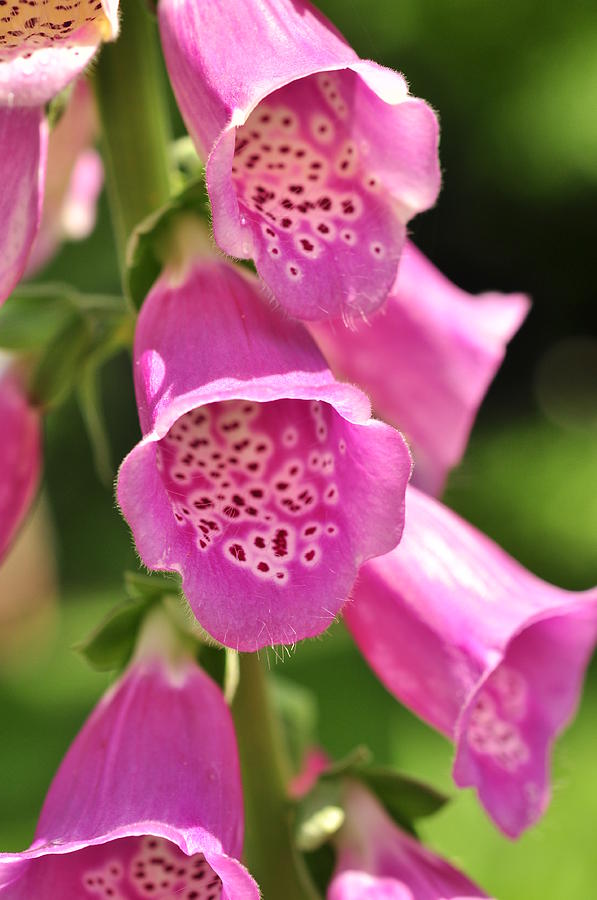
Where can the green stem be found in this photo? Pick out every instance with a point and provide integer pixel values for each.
(269, 851)
(131, 99)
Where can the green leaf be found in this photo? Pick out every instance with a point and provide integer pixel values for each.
(111, 644)
(61, 363)
(145, 251)
(319, 815)
(71, 334)
(57, 106)
(32, 316)
(404, 798)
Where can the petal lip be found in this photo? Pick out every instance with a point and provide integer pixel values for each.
(529, 801)
(349, 401)
(481, 649)
(24, 142)
(34, 81)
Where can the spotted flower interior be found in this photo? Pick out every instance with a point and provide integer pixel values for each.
(28, 25)
(494, 725)
(133, 868)
(255, 484)
(306, 182)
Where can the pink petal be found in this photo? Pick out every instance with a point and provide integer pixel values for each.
(48, 45)
(23, 143)
(74, 179)
(20, 457)
(245, 481)
(379, 861)
(426, 359)
(130, 791)
(478, 647)
(316, 160)
(316, 761)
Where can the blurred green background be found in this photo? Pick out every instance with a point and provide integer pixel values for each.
(515, 84)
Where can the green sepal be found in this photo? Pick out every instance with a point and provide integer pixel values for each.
(110, 645)
(61, 362)
(404, 798)
(296, 708)
(56, 108)
(146, 250)
(80, 333)
(150, 587)
(33, 315)
(319, 815)
(90, 404)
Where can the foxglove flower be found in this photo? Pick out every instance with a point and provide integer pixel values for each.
(20, 454)
(44, 45)
(316, 160)
(74, 179)
(426, 359)
(479, 648)
(147, 802)
(378, 861)
(260, 479)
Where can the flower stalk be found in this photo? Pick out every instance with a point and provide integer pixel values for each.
(269, 852)
(131, 100)
(135, 129)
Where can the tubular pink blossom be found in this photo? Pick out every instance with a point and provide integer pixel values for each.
(74, 179)
(138, 809)
(23, 147)
(44, 45)
(378, 861)
(20, 456)
(426, 360)
(244, 481)
(316, 160)
(481, 649)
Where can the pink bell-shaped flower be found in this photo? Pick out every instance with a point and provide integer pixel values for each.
(20, 454)
(479, 648)
(74, 179)
(316, 160)
(260, 478)
(378, 861)
(44, 45)
(147, 802)
(426, 359)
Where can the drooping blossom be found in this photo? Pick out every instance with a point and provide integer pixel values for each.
(20, 453)
(74, 179)
(260, 478)
(316, 160)
(377, 860)
(44, 45)
(478, 647)
(147, 802)
(426, 359)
